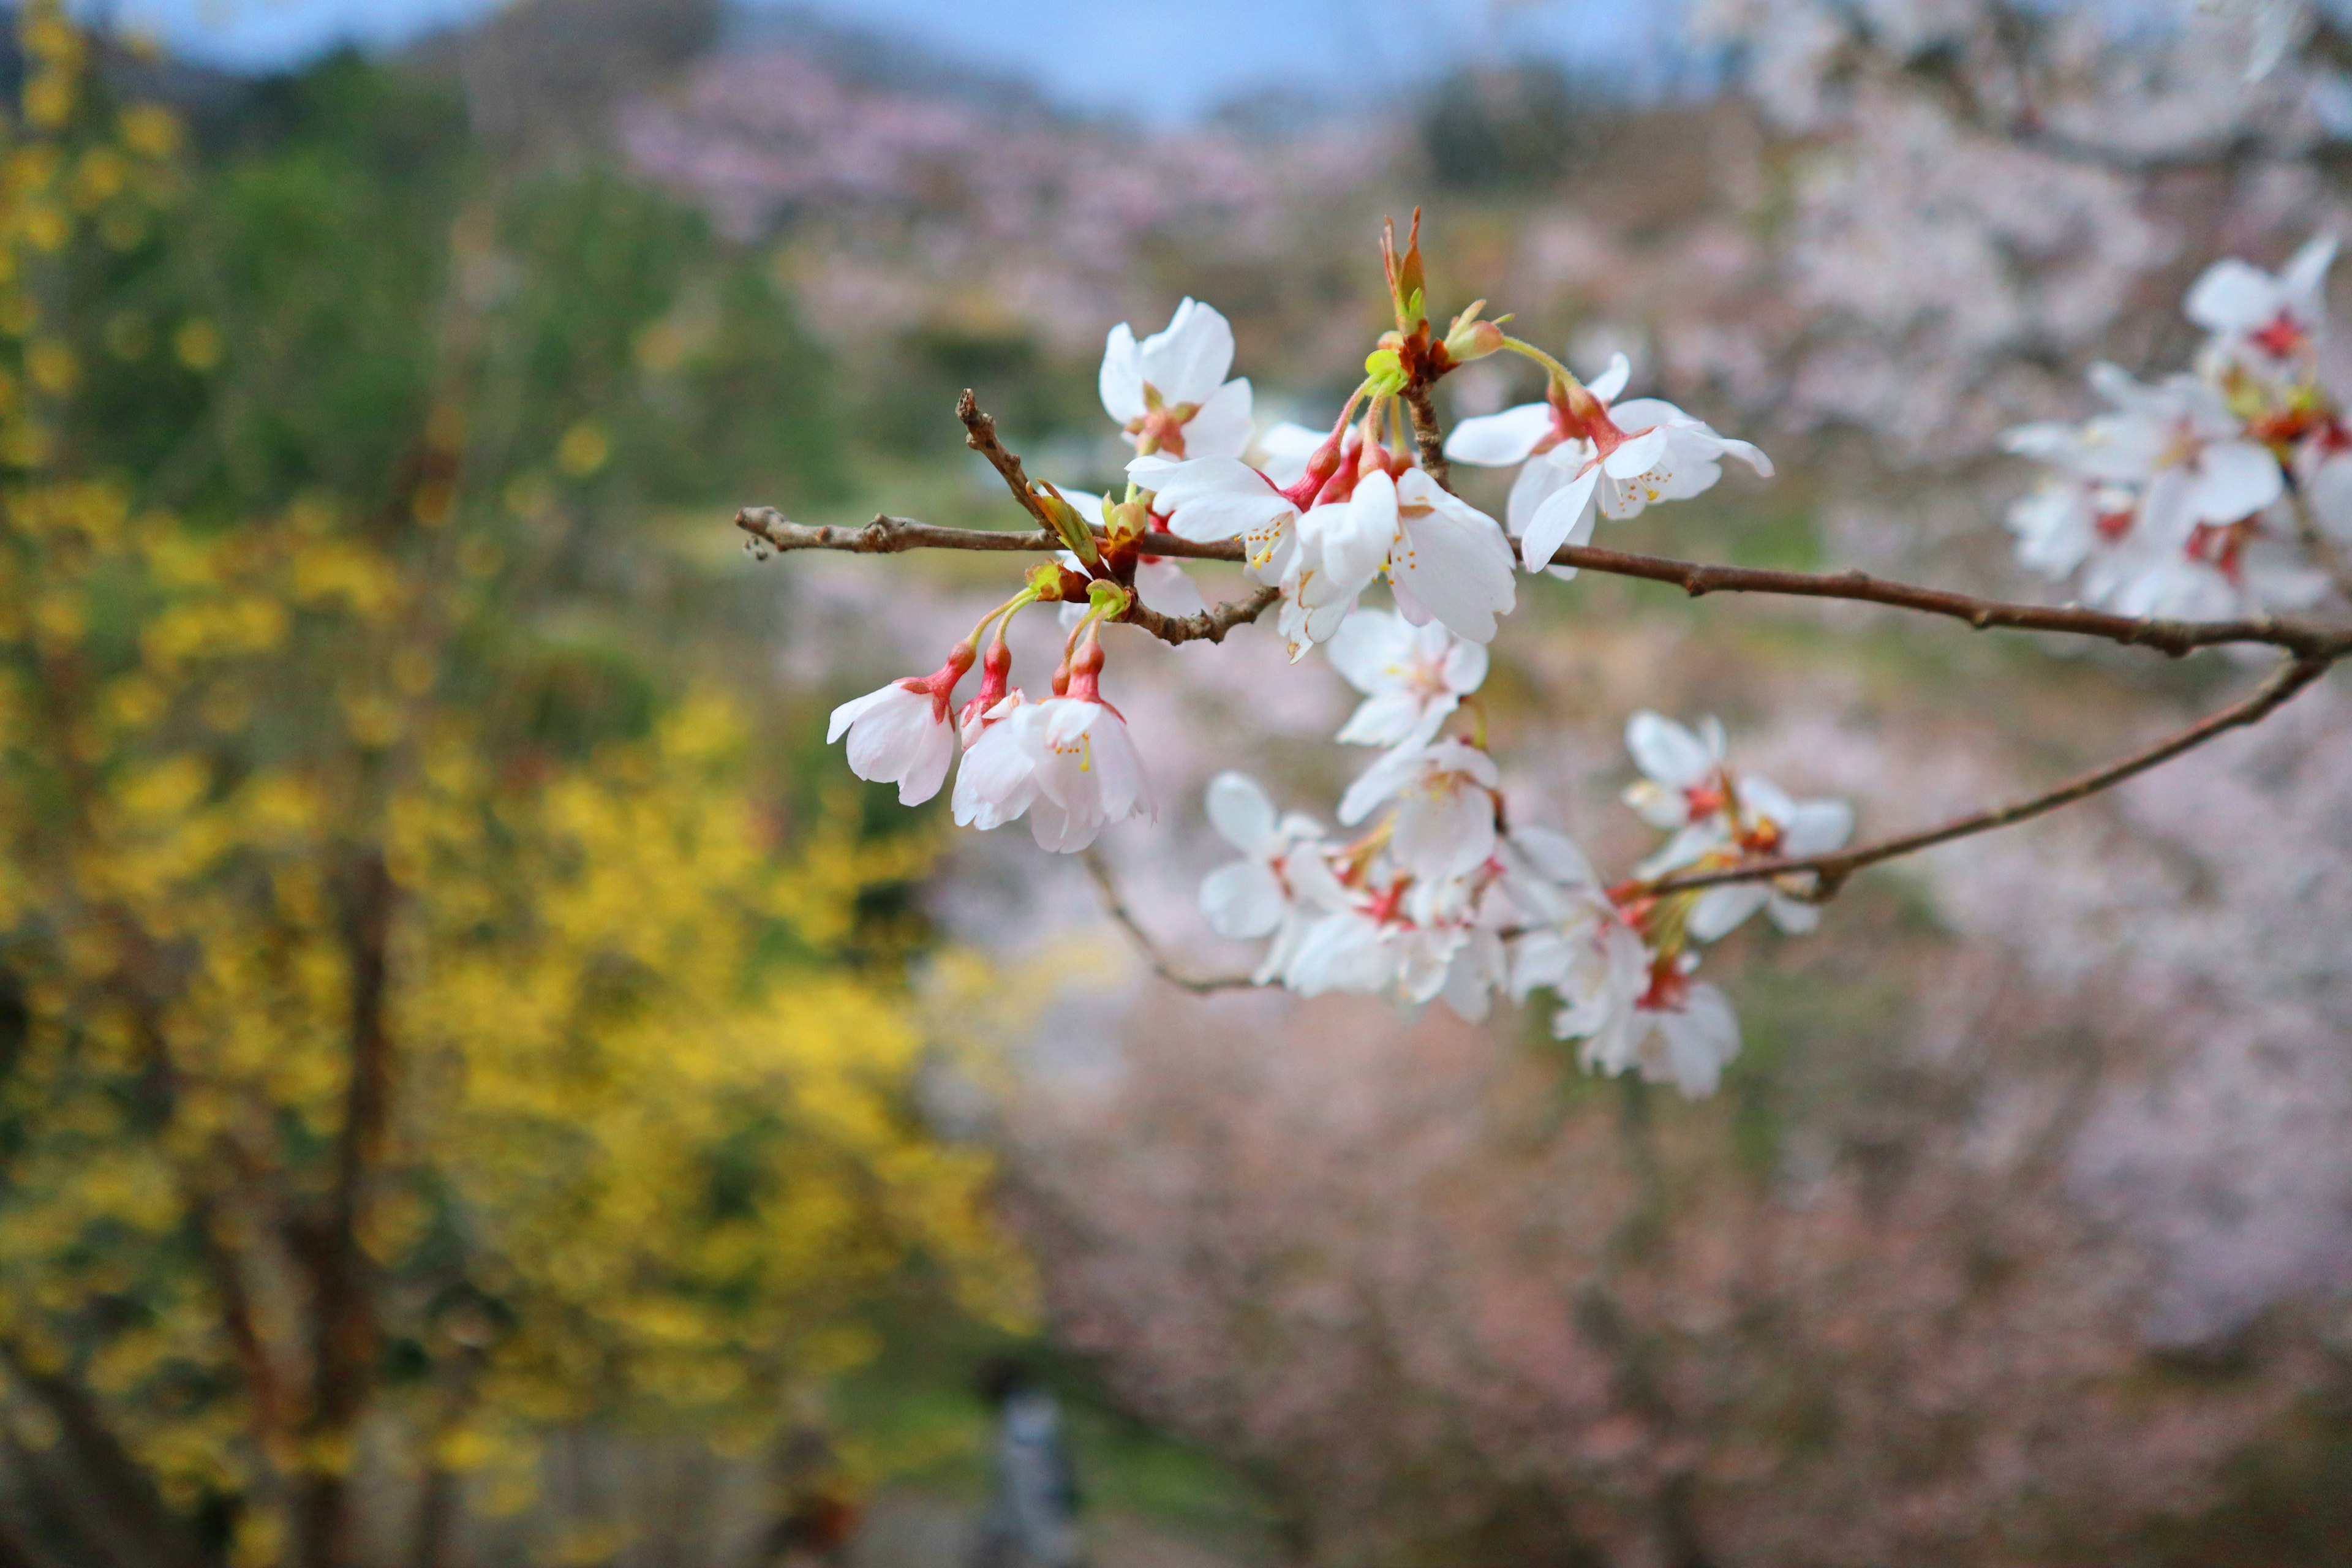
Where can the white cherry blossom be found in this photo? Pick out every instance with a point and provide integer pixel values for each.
(1445, 821)
(1169, 391)
(901, 734)
(1412, 677)
(997, 781)
(1593, 456)
(1088, 771)
(1279, 885)
(2268, 322)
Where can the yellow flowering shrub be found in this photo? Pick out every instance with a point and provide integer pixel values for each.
(381, 1072)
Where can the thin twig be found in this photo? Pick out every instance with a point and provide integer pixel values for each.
(1210, 625)
(1116, 908)
(2304, 639)
(1829, 871)
(980, 435)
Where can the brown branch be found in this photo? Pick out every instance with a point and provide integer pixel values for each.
(888, 535)
(1116, 908)
(1428, 435)
(1210, 625)
(896, 535)
(980, 435)
(1830, 871)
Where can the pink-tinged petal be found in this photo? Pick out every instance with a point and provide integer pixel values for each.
(1121, 381)
(1499, 440)
(1639, 413)
(1223, 427)
(929, 768)
(1610, 384)
(2236, 479)
(1243, 900)
(1568, 511)
(1378, 783)
(857, 708)
(1059, 830)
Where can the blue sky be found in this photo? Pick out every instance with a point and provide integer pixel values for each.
(1160, 59)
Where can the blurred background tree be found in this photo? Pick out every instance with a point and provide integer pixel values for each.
(427, 1022)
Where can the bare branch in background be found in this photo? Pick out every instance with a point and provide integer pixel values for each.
(1116, 908)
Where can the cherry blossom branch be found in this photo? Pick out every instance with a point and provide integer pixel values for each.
(2304, 639)
(1106, 888)
(1830, 871)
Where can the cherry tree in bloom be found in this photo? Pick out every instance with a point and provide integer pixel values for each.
(2203, 496)
(2210, 493)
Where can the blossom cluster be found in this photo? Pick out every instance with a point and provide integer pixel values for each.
(1439, 897)
(2217, 491)
(1435, 897)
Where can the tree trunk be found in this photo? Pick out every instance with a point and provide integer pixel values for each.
(342, 1287)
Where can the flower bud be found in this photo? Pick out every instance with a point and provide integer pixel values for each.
(1471, 339)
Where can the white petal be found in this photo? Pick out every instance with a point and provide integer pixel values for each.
(1702, 1039)
(1499, 440)
(1164, 586)
(1719, 912)
(1223, 427)
(1556, 856)
(1456, 563)
(1239, 810)
(1210, 499)
(1566, 513)
(1611, 383)
(1243, 900)
(1668, 753)
(1816, 827)
(1371, 651)
(2236, 479)
(1121, 381)
(1450, 836)
(929, 767)
(1188, 362)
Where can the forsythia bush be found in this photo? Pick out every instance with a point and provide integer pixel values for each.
(382, 1081)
